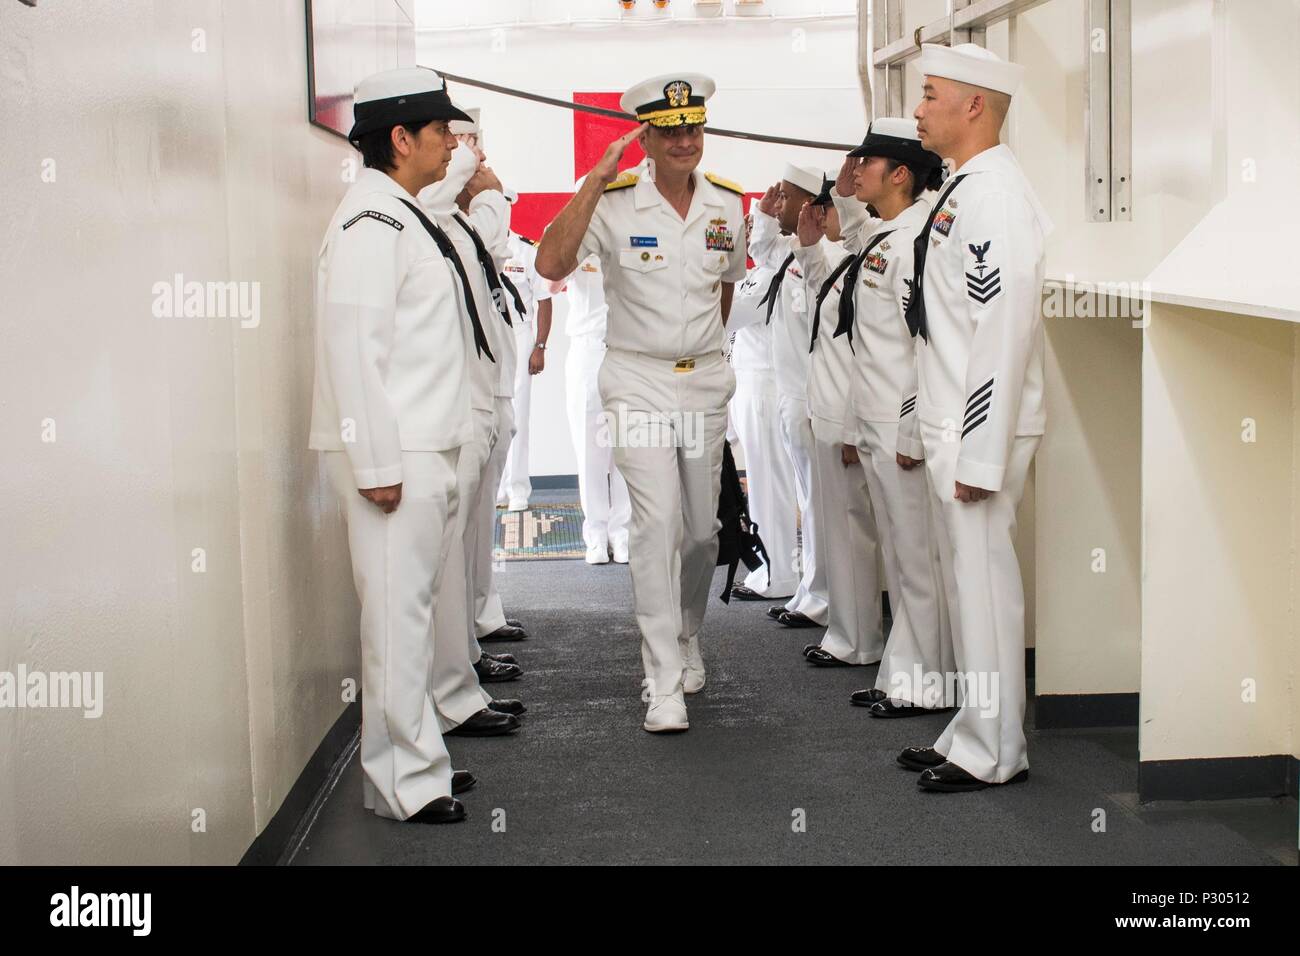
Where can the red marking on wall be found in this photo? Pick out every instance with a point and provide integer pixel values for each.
(593, 134)
(533, 212)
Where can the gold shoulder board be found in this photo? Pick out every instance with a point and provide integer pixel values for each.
(627, 179)
(724, 183)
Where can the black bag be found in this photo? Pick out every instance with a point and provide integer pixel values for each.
(738, 538)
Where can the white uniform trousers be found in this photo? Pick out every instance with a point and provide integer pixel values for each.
(456, 689)
(855, 626)
(396, 566)
(516, 484)
(602, 491)
(670, 428)
(769, 481)
(986, 600)
(918, 658)
(488, 612)
(796, 436)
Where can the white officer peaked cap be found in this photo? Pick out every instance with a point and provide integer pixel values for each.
(412, 94)
(673, 99)
(807, 178)
(471, 126)
(968, 63)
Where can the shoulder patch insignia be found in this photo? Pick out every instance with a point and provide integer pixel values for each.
(627, 179)
(726, 184)
(372, 214)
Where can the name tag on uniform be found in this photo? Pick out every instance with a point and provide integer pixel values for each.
(644, 242)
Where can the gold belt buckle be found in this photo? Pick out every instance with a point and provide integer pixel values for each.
(684, 365)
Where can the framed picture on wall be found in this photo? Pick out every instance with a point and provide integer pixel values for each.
(348, 40)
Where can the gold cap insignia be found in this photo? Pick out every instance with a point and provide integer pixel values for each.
(677, 93)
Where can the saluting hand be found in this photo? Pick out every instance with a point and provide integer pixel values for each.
(844, 181)
(770, 204)
(606, 170)
(483, 180)
(812, 224)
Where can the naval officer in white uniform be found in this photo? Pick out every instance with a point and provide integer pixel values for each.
(976, 311)
(671, 241)
(390, 410)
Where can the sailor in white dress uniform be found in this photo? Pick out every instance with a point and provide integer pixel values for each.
(976, 312)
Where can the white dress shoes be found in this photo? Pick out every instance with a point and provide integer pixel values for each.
(666, 714)
(692, 680)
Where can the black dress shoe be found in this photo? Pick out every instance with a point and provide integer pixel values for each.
(486, 723)
(442, 810)
(775, 611)
(824, 658)
(507, 632)
(950, 778)
(797, 619)
(809, 648)
(462, 780)
(513, 623)
(865, 698)
(921, 758)
(501, 658)
(742, 593)
(508, 705)
(898, 708)
(494, 672)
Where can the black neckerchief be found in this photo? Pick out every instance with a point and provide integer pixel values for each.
(824, 292)
(449, 252)
(915, 312)
(849, 296)
(514, 294)
(774, 287)
(489, 269)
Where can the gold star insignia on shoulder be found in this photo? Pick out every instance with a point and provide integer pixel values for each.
(726, 184)
(623, 181)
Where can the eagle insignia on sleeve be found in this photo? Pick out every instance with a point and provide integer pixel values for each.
(982, 285)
